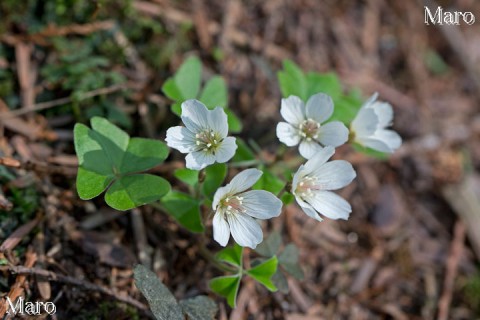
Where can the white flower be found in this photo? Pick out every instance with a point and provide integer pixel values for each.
(304, 124)
(313, 180)
(235, 210)
(204, 136)
(369, 125)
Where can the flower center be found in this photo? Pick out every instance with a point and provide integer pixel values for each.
(309, 129)
(208, 140)
(232, 205)
(305, 187)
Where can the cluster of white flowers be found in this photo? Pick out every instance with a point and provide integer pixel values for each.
(204, 138)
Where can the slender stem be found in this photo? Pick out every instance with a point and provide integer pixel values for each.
(205, 253)
(258, 150)
(246, 163)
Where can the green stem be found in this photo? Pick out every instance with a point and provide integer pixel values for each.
(246, 163)
(207, 255)
(204, 252)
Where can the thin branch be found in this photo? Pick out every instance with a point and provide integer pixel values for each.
(456, 249)
(207, 255)
(52, 276)
(62, 101)
(37, 167)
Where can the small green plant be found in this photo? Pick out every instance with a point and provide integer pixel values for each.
(318, 116)
(185, 85)
(109, 159)
(227, 286)
(24, 203)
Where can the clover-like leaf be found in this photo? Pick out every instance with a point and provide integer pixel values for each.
(188, 77)
(214, 176)
(163, 304)
(264, 271)
(108, 159)
(199, 308)
(269, 247)
(292, 81)
(287, 198)
(131, 191)
(227, 286)
(143, 154)
(214, 93)
(270, 182)
(327, 83)
(90, 183)
(346, 108)
(185, 84)
(231, 255)
(244, 152)
(288, 259)
(280, 281)
(187, 176)
(185, 209)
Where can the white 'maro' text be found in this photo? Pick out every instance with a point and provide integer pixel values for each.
(441, 17)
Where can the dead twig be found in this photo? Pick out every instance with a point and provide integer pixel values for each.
(26, 72)
(38, 167)
(61, 101)
(56, 31)
(201, 23)
(16, 290)
(240, 38)
(14, 239)
(452, 267)
(464, 200)
(52, 276)
(5, 204)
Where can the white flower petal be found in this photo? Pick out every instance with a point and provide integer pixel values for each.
(333, 134)
(288, 134)
(293, 110)
(384, 113)
(389, 137)
(319, 107)
(217, 120)
(261, 204)
(334, 175)
(221, 229)
(245, 230)
(308, 209)
(226, 150)
(198, 160)
(181, 138)
(374, 143)
(244, 180)
(317, 161)
(330, 205)
(195, 115)
(370, 101)
(296, 178)
(365, 123)
(220, 194)
(308, 149)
